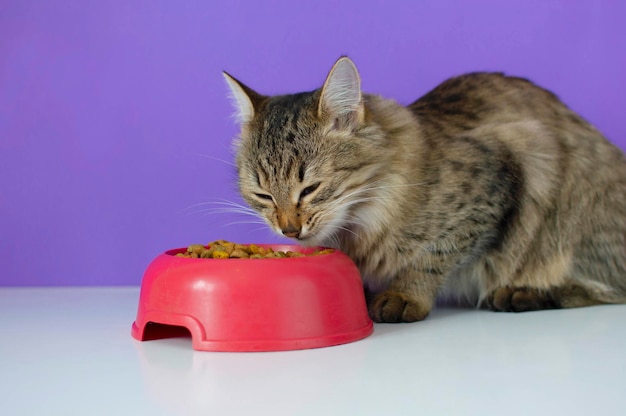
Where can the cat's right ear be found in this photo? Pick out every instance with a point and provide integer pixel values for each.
(244, 99)
(341, 98)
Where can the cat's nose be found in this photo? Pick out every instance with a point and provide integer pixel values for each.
(291, 231)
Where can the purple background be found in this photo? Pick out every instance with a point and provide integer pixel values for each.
(113, 114)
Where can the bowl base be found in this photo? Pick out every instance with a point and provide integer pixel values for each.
(151, 331)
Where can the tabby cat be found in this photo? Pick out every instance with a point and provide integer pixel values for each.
(488, 189)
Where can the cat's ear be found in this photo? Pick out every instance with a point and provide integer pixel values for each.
(245, 99)
(341, 97)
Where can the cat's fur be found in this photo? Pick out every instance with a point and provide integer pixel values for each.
(487, 189)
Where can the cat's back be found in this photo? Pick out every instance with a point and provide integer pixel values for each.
(473, 99)
(496, 108)
(563, 161)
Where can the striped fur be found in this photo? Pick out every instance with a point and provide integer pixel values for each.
(488, 190)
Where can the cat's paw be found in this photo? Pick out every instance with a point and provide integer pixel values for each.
(520, 299)
(390, 306)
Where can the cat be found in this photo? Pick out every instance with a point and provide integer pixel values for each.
(487, 190)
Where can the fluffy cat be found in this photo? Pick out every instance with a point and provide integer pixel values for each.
(487, 189)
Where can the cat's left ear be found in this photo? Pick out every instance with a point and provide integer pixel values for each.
(341, 98)
(245, 99)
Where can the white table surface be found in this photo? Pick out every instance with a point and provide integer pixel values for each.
(69, 352)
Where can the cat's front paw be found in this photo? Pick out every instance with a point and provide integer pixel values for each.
(520, 299)
(390, 306)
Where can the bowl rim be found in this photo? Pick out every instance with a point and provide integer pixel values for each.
(277, 247)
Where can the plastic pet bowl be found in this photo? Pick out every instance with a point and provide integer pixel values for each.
(254, 304)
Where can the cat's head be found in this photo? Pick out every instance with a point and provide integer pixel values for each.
(305, 161)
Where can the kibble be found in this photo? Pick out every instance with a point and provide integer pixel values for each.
(222, 249)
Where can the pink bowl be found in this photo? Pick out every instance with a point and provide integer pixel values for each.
(254, 304)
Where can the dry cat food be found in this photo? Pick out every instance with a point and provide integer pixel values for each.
(222, 249)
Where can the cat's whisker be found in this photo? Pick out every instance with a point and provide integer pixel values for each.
(338, 227)
(333, 226)
(365, 188)
(233, 204)
(366, 199)
(262, 228)
(368, 188)
(336, 241)
(244, 222)
(347, 201)
(219, 211)
(222, 210)
(219, 207)
(234, 209)
(197, 212)
(214, 158)
(195, 205)
(229, 213)
(219, 202)
(334, 209)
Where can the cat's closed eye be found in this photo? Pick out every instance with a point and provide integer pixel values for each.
(309, 190)
(264, 196)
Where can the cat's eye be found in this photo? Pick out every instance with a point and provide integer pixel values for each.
(309, 190)
(264, 196)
